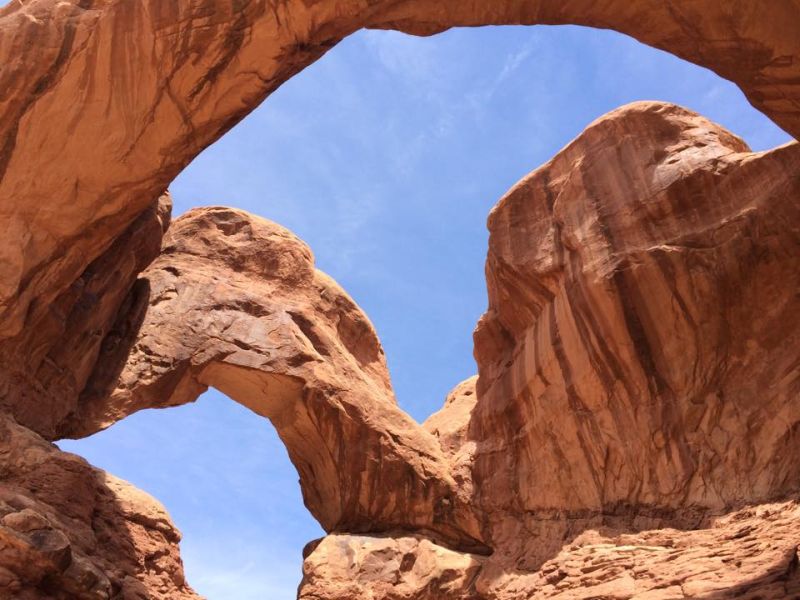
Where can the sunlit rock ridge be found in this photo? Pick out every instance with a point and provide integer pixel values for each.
(633, 429)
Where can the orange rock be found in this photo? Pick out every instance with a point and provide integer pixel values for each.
(46, 367)
(638, 363)
(637, 379)
(236, 303)
(115, 98)
(636, 348)
(751, 554)
(69, 531)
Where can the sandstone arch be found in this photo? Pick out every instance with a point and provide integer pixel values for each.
(234, 302)
(169, 79)
(117, 97)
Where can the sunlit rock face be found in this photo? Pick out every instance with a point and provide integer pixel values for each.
(640, 345)
(69, 531)
(632, 432)
(750, 553)
(638, 378)
(104, 102)
(234, 302)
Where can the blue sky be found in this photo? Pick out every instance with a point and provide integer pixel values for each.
(385, 156)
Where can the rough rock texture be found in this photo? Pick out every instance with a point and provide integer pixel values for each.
(396, 567)
(236, 303)
(69, 531)
(638, 365)
(639, 346)
(749, 554)
(45, 368)
(639, 372)
(116, 97)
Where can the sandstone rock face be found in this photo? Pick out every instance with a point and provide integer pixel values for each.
(641, 282)
(637, 378)
(751, 554)
(236, 303)
(388, 567)
(46, 367)
(117, 97)
(635, 411)
(69, 531)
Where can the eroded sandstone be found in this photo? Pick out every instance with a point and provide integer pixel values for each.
(638, 365)
(234, 302)
(69, 531)
(115, 98)
(749, 554)
(637, 377)
(45, 368)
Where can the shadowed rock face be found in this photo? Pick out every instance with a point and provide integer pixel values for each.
(47, 366)
(69, 531)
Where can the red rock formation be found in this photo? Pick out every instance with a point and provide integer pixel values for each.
(45, 368)
(69, 531)
(117, 97)
(638, 363)
(749, 554)
(236, 303)
(641, 282)
(637, 380)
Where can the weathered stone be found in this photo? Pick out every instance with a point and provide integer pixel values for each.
(397, 567)
(45, 368)
(637, 374)
(236, 303)
(115, 98)
(637, 349)
(69, 531)
(751, 553)
(638, 363)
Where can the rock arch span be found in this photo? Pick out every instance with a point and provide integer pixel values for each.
(234, 302)
(118, 97)
(170, 78)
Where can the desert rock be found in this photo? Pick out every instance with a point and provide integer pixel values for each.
(45, 368)
(637, 378)
(69, 531)
(234, 302)
(117, 97)
(632, 432)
